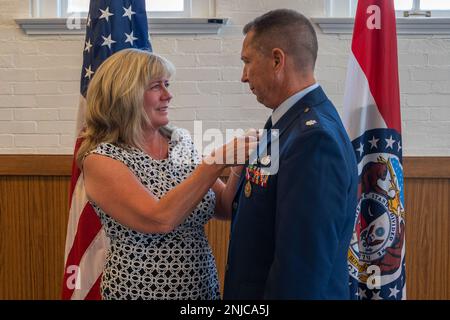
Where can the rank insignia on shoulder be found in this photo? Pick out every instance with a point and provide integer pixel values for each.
(310, 122)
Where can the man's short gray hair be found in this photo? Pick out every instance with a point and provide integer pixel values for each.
(288, 30)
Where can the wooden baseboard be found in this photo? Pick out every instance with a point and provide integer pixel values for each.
(60, 165)
(426, 167)
(35, 165)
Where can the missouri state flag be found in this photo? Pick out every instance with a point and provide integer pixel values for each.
(111, 25)
(373, 121)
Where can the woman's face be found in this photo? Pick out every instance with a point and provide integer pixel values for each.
(156, 102)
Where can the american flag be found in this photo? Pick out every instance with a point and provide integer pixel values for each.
(373, 121)
(110, 27)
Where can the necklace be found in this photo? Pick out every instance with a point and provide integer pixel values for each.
(156, 153)
(162, 148)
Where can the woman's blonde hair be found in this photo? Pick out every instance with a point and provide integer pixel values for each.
(115, 99)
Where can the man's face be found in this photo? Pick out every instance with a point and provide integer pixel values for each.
(258, 71)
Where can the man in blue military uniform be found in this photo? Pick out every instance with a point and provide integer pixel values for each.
(291, 228)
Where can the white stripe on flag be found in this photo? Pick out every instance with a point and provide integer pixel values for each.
(91, 265)
(79, 201)
(359, 103)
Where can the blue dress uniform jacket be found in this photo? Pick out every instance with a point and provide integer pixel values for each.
(290, 238)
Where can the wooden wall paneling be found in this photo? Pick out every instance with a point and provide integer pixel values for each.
(33, 218)
(218, 234)
(38, 228)
(427, 238)
(49, 200)
(34, 211)
(16, 264)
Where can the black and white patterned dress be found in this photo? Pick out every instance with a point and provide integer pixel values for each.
(176, 265)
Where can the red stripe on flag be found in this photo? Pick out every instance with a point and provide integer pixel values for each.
(88, 227)
(381, 69)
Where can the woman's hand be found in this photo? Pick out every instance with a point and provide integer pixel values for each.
(235, 152)
(236, 171)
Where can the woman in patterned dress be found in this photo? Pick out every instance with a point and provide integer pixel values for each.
(151, 190)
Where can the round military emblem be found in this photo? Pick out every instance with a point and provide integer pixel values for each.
(248, 189)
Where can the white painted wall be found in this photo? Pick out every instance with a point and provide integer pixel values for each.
(39, 80)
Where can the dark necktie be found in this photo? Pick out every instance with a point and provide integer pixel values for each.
(268, 124)
(262, 146)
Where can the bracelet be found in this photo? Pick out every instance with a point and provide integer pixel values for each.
(234, 173)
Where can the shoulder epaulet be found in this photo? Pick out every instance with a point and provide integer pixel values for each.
(309, 119)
